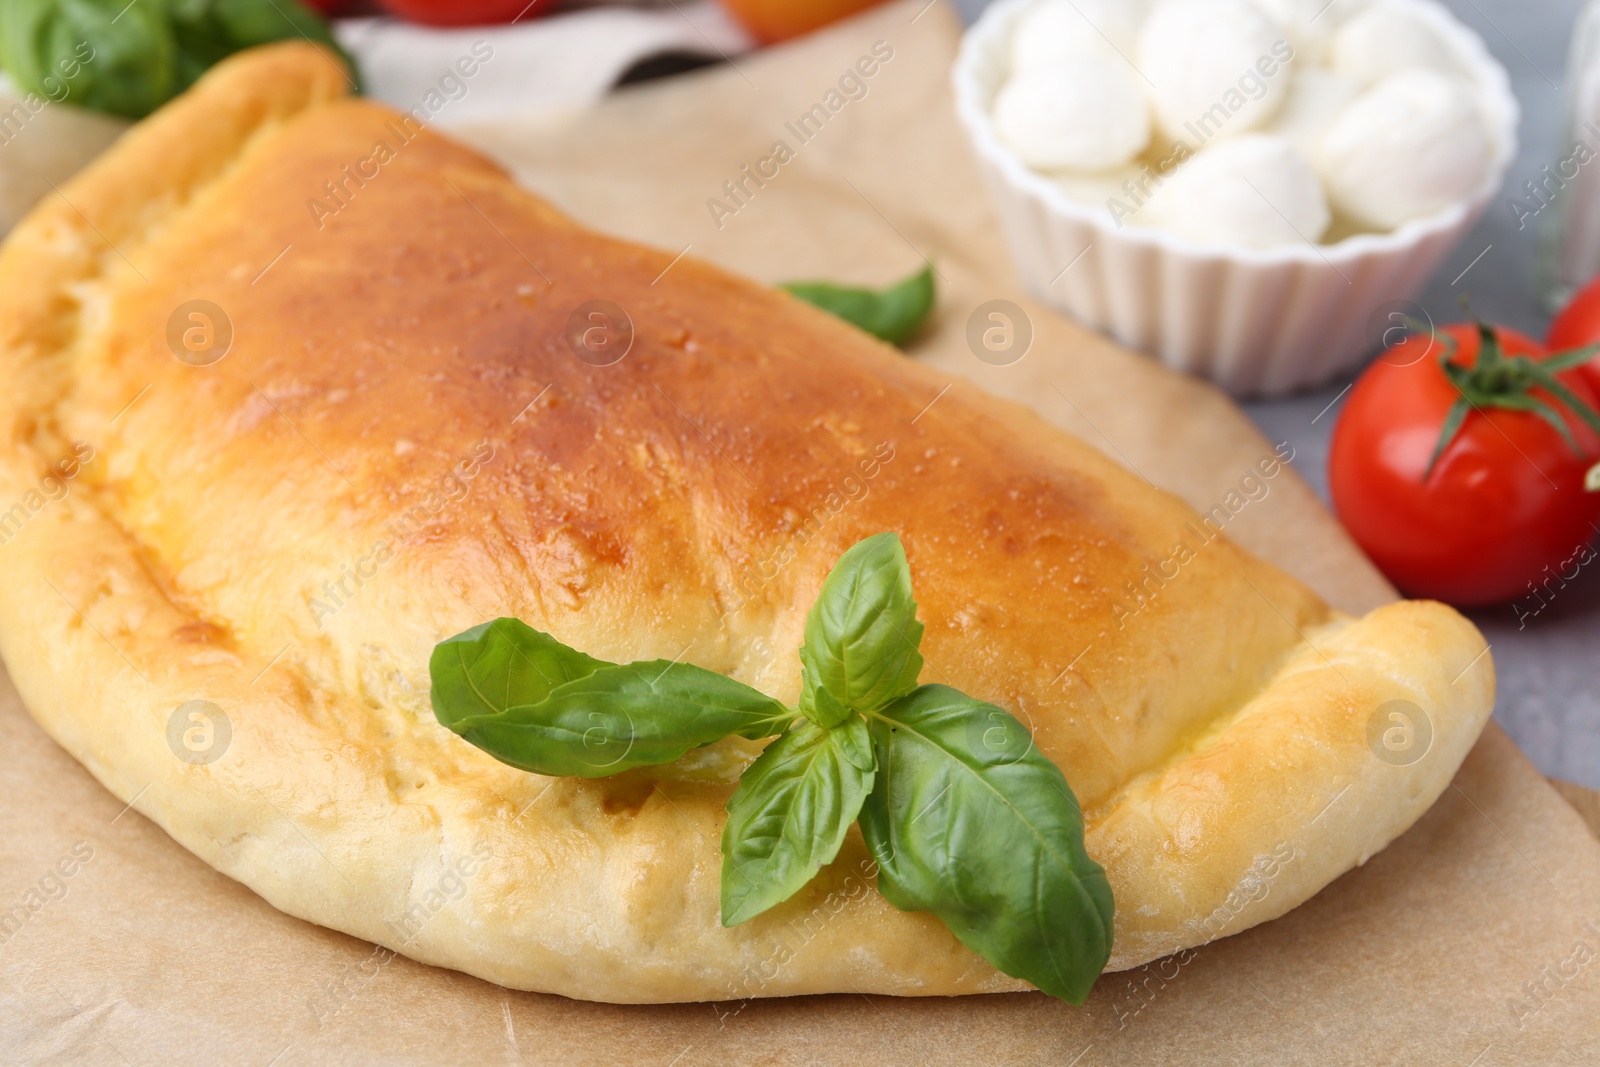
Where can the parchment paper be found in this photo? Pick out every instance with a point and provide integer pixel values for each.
(1472, 941)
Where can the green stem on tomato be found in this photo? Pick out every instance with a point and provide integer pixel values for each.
(1496, 380)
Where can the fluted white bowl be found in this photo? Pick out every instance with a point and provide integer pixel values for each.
(1258, 322)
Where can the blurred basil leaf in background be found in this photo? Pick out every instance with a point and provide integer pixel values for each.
(891, 314)
(129, 59)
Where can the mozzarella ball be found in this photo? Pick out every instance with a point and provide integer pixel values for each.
(1385, 39)
(1317, 98)
(1309, 22)
(1098, 187)
(1411, 145)
(1208, 63)
(1056, 31)
(1089, 114)
(1255, 191)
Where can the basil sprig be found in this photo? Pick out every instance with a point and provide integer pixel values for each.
(963, 814)
(891, 314)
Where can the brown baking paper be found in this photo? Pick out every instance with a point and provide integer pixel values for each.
(1472, 941)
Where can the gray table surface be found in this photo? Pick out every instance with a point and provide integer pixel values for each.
(1549, 694)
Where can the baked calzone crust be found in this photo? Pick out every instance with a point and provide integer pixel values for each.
(293, 390)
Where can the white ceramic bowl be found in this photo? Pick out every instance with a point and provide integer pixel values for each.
(1258, 322)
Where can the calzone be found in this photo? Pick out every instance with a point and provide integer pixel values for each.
(295, 388)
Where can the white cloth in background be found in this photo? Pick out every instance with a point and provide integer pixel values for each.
(543, 69)
(556, 65)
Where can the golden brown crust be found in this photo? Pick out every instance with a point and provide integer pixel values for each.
(401, 443)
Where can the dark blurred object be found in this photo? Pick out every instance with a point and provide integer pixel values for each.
(464, 12)
(770, 21)
(665, 65)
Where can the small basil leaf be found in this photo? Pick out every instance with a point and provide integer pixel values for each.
(862, 634)
(499, 665)
(621, 717)
(819, 705)
(973, 823)
(790, 813)
(892, 314)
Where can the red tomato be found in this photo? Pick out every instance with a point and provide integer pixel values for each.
(1578, 325)
(462, 12)
(1507, 497)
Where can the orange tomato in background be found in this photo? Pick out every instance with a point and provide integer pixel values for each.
(770, 21)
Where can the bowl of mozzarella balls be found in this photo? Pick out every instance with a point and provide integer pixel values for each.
(1239, 187)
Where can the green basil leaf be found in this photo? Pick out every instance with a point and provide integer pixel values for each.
(499, 665)
(977, 826)
(892, 314)
(819, 705)
(862, 634)
(129, 59)
(82, 52)
(621, 717)
(790, 813)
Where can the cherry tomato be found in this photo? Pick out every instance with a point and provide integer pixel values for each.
(770, 21)
(1509, 495)
(1579, 324)
(462, 12)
